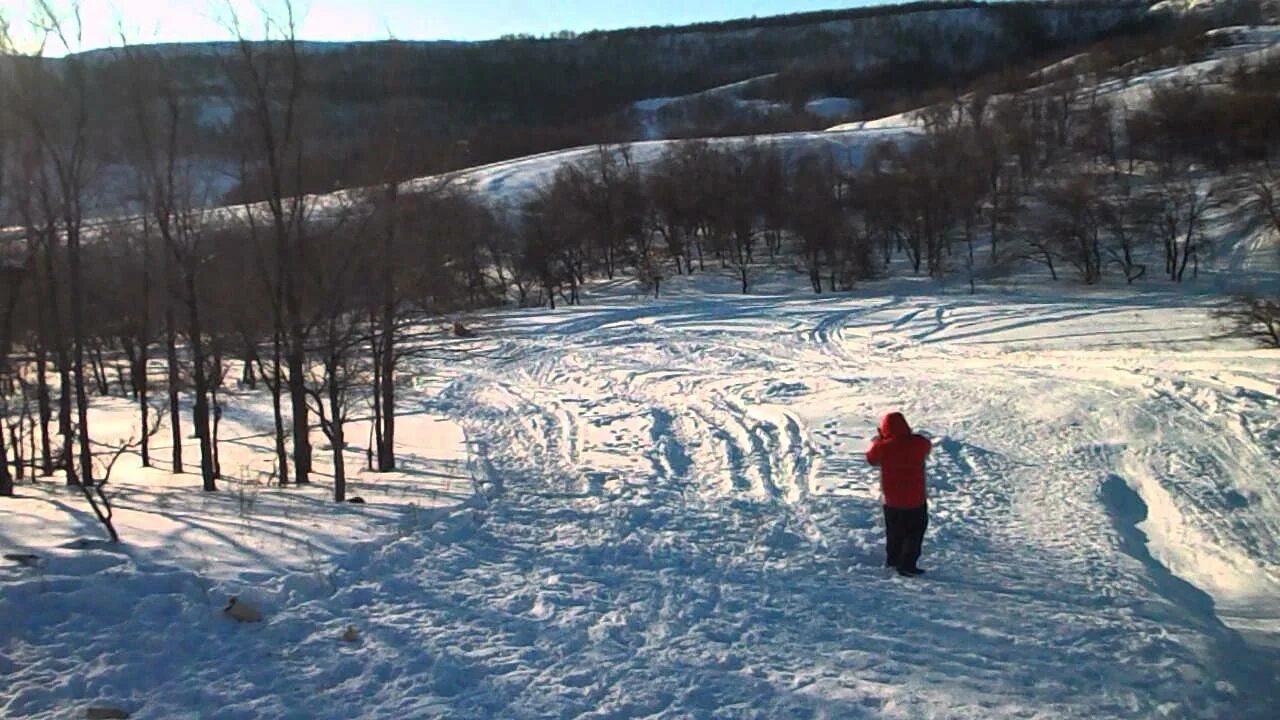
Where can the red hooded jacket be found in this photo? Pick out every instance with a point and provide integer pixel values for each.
(900, 455)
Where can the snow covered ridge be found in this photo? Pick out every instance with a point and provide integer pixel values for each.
(959, 37)
(675, 521)
(506, 184)
(1211, 8)
(1235, 44)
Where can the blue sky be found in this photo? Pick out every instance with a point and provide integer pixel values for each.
(193, 20)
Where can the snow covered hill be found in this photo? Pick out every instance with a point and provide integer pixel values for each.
(506, 184)
(673, 519)
(509, 181)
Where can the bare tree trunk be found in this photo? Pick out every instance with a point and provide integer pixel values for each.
(215, 385)
(217, 420)
(295, 358)
(248, 378)
(31, 443)
(297, 395)
(337, 437)
(44, 409)
(175, 409)
(78, 341)
(63, 358)
(201, 389)
(386, 371)
(387, 439)
(99, 369)
(6, 479)
(276, 386)
(141, 385)
(376, 346)
(15, 435)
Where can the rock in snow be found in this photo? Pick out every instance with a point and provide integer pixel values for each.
(242, 611)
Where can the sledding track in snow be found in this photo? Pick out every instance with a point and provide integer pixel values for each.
(675, 521)
(1048, 597)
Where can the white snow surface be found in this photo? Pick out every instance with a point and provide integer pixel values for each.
(673, 519)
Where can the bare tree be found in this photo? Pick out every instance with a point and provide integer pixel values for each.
(1253, 317)
(1184, 201)
(550, 249)
(668, 211)
(730, 220)
(269, 83)
(1129, 219)
(339, 281)
(342, 336)
(47, 336)
(161, 123)
(1073, 227)
(816, 215)
(390, 304)
(53, 109)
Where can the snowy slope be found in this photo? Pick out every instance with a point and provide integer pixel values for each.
(508, 183)
(1239, 44)
(676, 522)
(656, 116)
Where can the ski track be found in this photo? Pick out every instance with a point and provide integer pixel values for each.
(673, 519)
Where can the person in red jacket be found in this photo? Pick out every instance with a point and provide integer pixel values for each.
(900, 454)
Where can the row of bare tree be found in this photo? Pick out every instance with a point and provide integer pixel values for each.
(1059, 175)
(316, 299)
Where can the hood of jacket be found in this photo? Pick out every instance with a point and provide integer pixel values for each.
(894, 426)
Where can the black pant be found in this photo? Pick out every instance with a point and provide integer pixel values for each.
(904, 535)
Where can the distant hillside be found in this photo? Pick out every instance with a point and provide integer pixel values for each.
(461, 104)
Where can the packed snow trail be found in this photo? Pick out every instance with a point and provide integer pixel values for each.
(674, 520)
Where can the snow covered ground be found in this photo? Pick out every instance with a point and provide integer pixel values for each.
(250, 528)
(673, 519)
